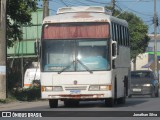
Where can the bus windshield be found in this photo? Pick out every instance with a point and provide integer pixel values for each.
(75, 55)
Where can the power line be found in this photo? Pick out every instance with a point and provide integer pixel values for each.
(83, 3)
(104, 3)
(135, 10)
(134, 1)
(64, 3)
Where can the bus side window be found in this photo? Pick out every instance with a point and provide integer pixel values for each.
(127, 37)
(123, 42)
(113, 31)
(125, 32)
(117, 30)
(116, 33)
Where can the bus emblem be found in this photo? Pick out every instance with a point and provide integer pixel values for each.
(75, 82)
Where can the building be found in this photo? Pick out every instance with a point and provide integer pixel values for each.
(146, 60)
(150, 49)
(141, 60)
(31, 33)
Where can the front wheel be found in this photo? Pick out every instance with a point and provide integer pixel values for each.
(157, 93)
(53, 103)
(109, 102)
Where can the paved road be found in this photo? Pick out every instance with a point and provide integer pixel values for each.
(144, 103)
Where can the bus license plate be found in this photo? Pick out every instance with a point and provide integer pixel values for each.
(75, 91)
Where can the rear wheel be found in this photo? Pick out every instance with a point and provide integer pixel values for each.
(109, 102)
(53, 103)
(121, 100)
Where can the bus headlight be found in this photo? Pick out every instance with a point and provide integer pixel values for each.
(108, 87)
(48, 88)
(94, 88)
(100, 87)
(57, 88)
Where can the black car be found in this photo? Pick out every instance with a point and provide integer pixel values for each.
(144, 82)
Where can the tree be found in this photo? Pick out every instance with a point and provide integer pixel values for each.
(138, 33)
(18, 14)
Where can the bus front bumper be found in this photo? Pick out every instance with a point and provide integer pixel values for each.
(87, 95)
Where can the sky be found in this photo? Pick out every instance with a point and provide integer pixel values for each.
(142, 8)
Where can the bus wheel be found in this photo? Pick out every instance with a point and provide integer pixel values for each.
(53, 103)
(109, 102)
(121, 100)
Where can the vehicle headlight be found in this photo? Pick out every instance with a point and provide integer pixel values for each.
(107, 87)
(94, 88)
(48, 88)
(100, 87)
(147, 85)
(54, 88)
(57, 88)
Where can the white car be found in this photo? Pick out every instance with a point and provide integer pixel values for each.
(31, 77)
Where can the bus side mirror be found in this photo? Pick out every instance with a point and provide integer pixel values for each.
(114, 50)
(37, 47)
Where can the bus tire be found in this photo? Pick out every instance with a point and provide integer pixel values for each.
(53, 103)
(121, 100)
(109, 102)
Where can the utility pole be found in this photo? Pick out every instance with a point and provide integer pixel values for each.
(45, 8)
(2, 49)
(155, 41)
(113, 7)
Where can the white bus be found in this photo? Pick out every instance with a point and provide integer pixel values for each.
(85, 55)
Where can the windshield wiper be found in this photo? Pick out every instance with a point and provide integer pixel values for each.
(67, 67)
(85, 66)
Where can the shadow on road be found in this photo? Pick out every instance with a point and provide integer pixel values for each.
(100, 104)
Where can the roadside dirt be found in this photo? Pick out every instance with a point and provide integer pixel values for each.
(21, 105)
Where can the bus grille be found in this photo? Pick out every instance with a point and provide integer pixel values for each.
(76, 88)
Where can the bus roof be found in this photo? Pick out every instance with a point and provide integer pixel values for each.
(81, 9)
(83, 14)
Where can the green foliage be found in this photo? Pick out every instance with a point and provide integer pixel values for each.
(28, 94)
(138, 32)
(18, 14)
(3, 101)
